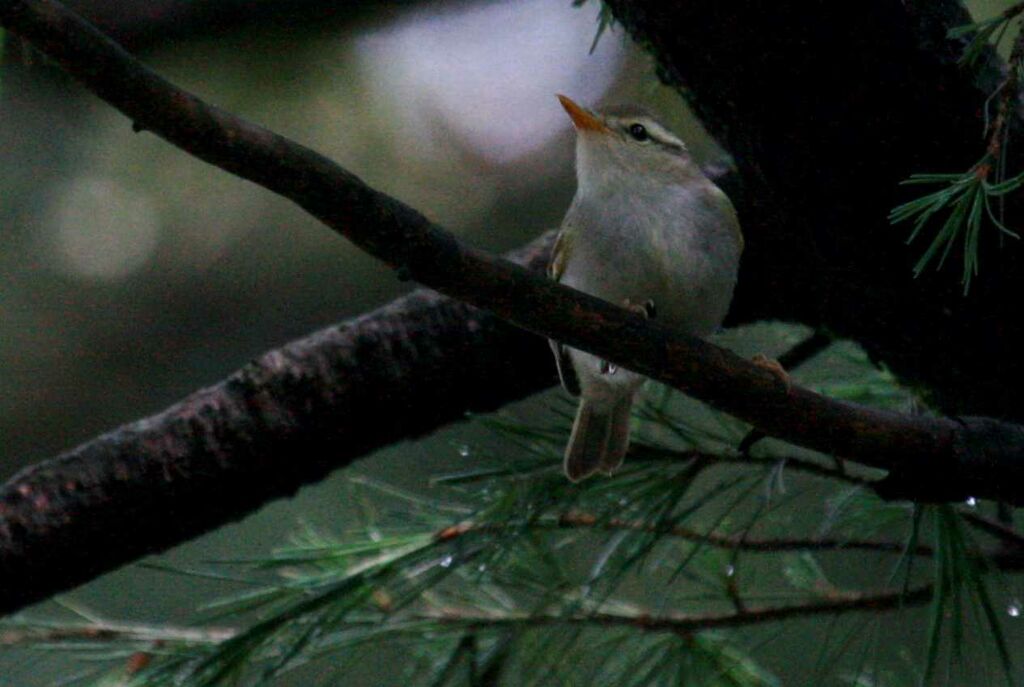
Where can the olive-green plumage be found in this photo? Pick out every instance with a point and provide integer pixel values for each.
(647, 230)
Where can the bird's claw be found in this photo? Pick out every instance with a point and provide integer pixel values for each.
(646, 308)
(775, 368)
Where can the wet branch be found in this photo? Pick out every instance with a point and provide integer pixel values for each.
(833, 603)
(576, 520)
(686, 623)
(241, 436)
(978, 456)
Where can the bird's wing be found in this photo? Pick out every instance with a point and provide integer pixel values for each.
(560, 252)
(566, 372)
(556, 268)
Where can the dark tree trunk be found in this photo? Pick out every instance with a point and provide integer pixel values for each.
(825, 108)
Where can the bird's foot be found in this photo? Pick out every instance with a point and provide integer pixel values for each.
(775, 368)
(646, 308)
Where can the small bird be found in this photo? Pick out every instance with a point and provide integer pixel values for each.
(646, 230)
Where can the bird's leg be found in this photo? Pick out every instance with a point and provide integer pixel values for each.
(775, 368)
(646, 309)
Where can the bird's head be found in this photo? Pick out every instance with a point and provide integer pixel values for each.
(626, 145)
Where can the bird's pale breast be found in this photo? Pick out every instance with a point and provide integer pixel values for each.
(676, 249)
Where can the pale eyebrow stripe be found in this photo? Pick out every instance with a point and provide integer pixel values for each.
(663, 135)
(658, 133)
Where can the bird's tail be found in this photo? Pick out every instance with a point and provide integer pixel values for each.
(599, 439)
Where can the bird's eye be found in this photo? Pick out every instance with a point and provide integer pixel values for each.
(638, 132)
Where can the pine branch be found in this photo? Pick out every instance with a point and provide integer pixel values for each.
(819, 175)
(1009, 557)
(35, 633)
(286, 419)
(810, 467)
(985, 34)
(403, 238)
(688, 623)
(794, 357)
(936, 458)
(1011, 538)
(968, 197)
(740, 542)
(836, 602)
(337, 595)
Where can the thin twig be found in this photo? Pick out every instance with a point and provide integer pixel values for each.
(805, 350)
(1001, 531)
(1009, 96)
(833, 603)
(1013, 10)
(1011, 538)
(727, 541)
(686, 623)
(648, 452)
(583, 520)
(45, 633)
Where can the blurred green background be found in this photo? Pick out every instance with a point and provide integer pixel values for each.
(132, 274)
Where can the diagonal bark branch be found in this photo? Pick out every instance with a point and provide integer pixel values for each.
(248, 431)
(405, 239)
(286, 419)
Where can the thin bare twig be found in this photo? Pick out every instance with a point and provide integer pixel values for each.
(737, 542)
(687, 623)
(1006, 534)
(582, 520)
(49, 633)
(833, 603)
(648, 452)
(1012, 540)
(1009, 97)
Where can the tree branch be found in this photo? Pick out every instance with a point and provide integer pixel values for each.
(825, 109)
(286, 419)
(793, 358)
(834, 603)
(936, 458)
(687, 623)
(739, 542)
(17, 634)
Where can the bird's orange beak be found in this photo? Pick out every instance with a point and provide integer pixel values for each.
(582, 119)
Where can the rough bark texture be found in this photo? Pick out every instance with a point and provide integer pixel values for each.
(286, 419)
(825, 108)
(819, 252)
